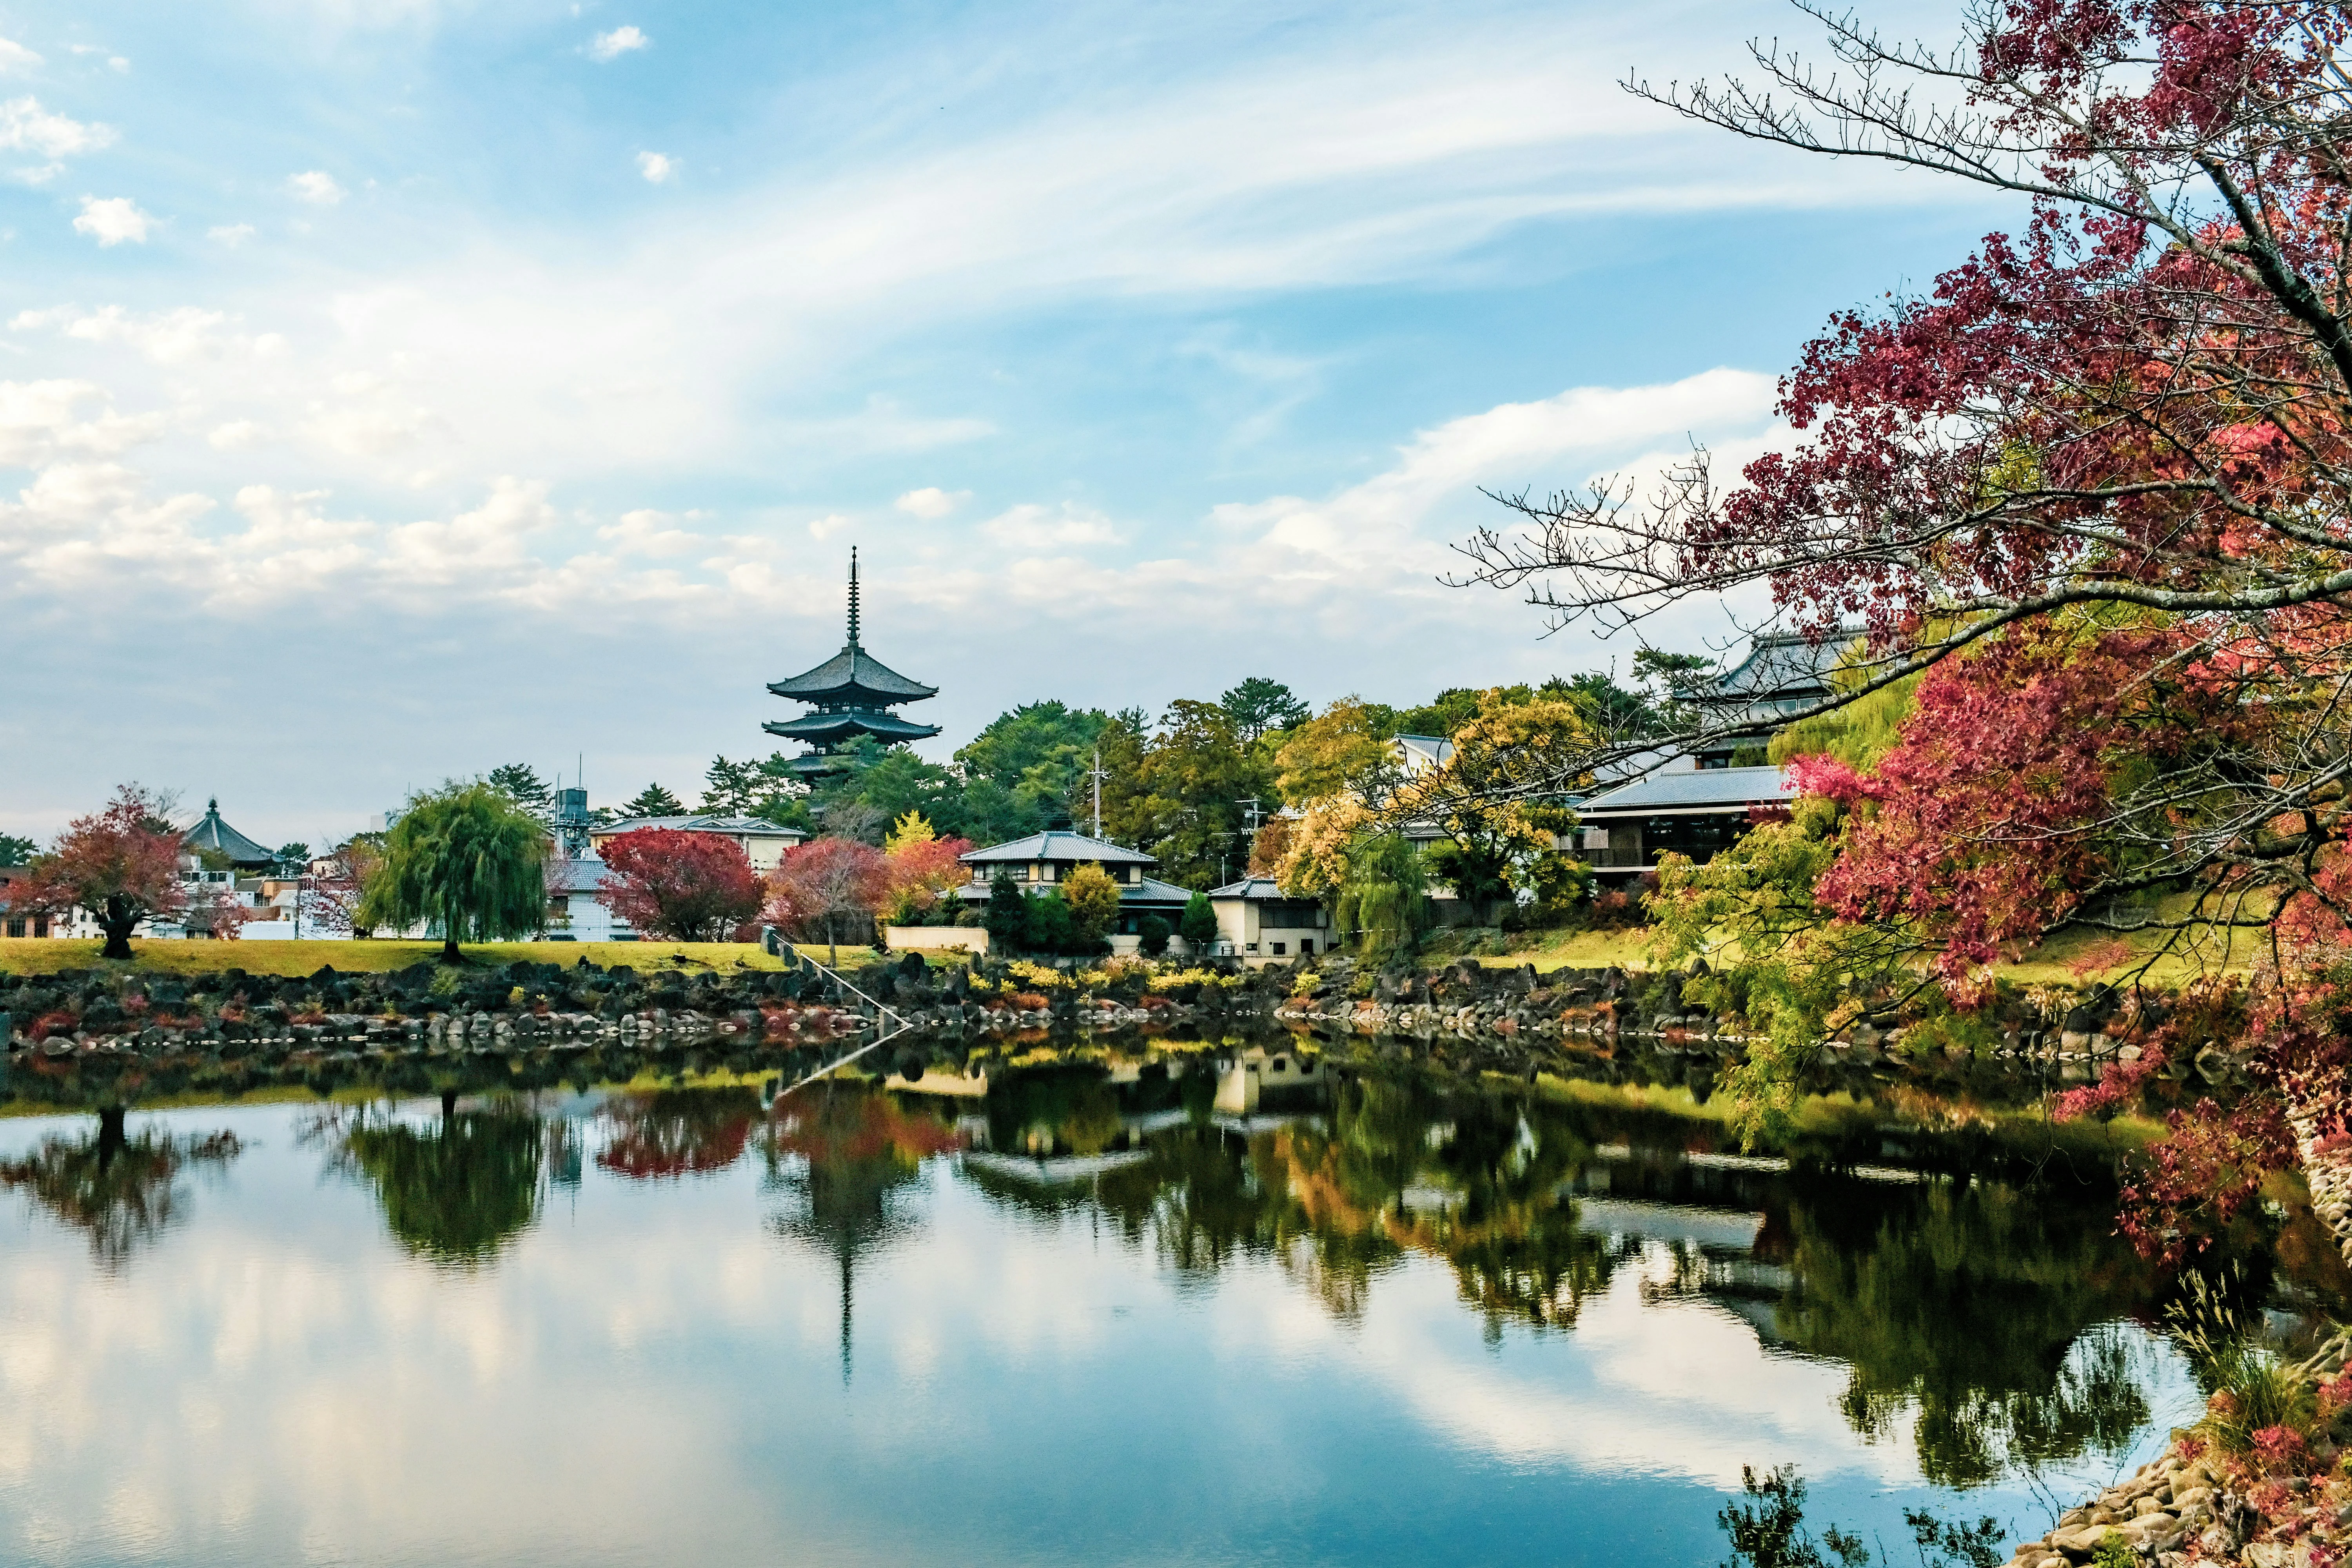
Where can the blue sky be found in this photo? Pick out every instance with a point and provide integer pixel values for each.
(393, 388)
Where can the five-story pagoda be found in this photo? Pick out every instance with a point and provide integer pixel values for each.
(849, 695)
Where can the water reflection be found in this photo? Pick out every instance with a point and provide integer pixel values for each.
(1970, 1314)
(125, 1192)
(457, 1192)
(677, 1132)
(848, 1159)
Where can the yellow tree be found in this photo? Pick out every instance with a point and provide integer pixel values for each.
(1093, 899)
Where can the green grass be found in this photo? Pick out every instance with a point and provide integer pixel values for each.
(32, 955)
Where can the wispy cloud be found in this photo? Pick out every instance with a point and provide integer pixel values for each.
(930, 502)
(15, 59)
(656, 167)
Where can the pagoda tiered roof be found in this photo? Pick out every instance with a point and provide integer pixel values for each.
(213, 834)
(852, 693)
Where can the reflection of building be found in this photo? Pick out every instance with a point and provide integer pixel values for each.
(1245, 1081)
(1257, 923)
(850, 694)
(763, 842)
(1043, 861)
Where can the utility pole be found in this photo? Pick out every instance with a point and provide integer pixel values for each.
(1096, 774)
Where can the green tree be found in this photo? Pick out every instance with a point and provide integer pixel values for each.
(1198, 924)
(653, 801)
(1050, 927)
(1006, 919)
(1258, 706)
(520, 783)
(1029, 767)
(465, 859)
(768, 790)
(1196, 773)
(1347, 747)
(293, 858)
(16, 851)
(1383, 902)
(1094, 900)
(1154, 932)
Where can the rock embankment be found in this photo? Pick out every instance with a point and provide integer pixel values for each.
(2168, 1507)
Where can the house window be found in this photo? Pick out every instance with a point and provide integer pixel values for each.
(1306, 946)
(1278, 950)
(16, 928)
(1249, 947)
(40, 925)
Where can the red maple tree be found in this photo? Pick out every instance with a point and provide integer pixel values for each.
(689, 887)
(828, 887)
(122, 864)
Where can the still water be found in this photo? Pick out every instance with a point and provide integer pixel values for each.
(1072, 1322)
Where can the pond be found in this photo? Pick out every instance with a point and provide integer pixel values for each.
(1079, 1318)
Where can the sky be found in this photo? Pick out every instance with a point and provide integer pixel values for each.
(392, 389)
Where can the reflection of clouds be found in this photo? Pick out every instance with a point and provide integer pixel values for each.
(653, 1372)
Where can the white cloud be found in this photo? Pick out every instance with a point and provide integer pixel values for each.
(1032, 527)
(605, 47)
(41, 423)
(931, 502)
(167, 337)
(15, 59)
(118, 62)
(230, 234)
(316, 186)
(26, 127)
(825, 527)
(112, 220)
(237, 436)
(656, 167)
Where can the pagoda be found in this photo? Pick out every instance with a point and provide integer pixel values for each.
(849, 695)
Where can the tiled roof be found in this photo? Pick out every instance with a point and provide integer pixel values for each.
(1696, 789)
(840, 726)
(1056, 844)
(1249, 888)
(1780, 664)
(585, 874)
(853, 672)
(212, 833)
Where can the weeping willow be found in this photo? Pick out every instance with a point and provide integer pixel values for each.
(1383, 899)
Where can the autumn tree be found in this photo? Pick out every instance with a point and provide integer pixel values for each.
(1496, 802)
(465, 859)
(691, 887)
(122, 864)
(1094, 903)
(1349, 747)
(328, 898)
(825, 884)
(2090, 489)
(925, 869)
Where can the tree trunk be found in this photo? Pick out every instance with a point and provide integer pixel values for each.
(117, 922)
(449, 951)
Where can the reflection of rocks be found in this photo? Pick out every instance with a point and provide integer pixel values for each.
(123, 1191)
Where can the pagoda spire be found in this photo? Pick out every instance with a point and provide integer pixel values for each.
(853, 596)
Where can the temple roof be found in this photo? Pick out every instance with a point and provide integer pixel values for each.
(853, 675)
(212, 833)
(822, 729)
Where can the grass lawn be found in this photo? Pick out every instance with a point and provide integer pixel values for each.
(34, 955)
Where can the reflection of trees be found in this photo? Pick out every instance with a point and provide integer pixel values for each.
(1968, 1303)
(677, 1131)
(458, 1193)
(123, 1191)
(1329, 1201)
(847, 1154)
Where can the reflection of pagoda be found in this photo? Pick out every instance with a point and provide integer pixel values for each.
(849, 695)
